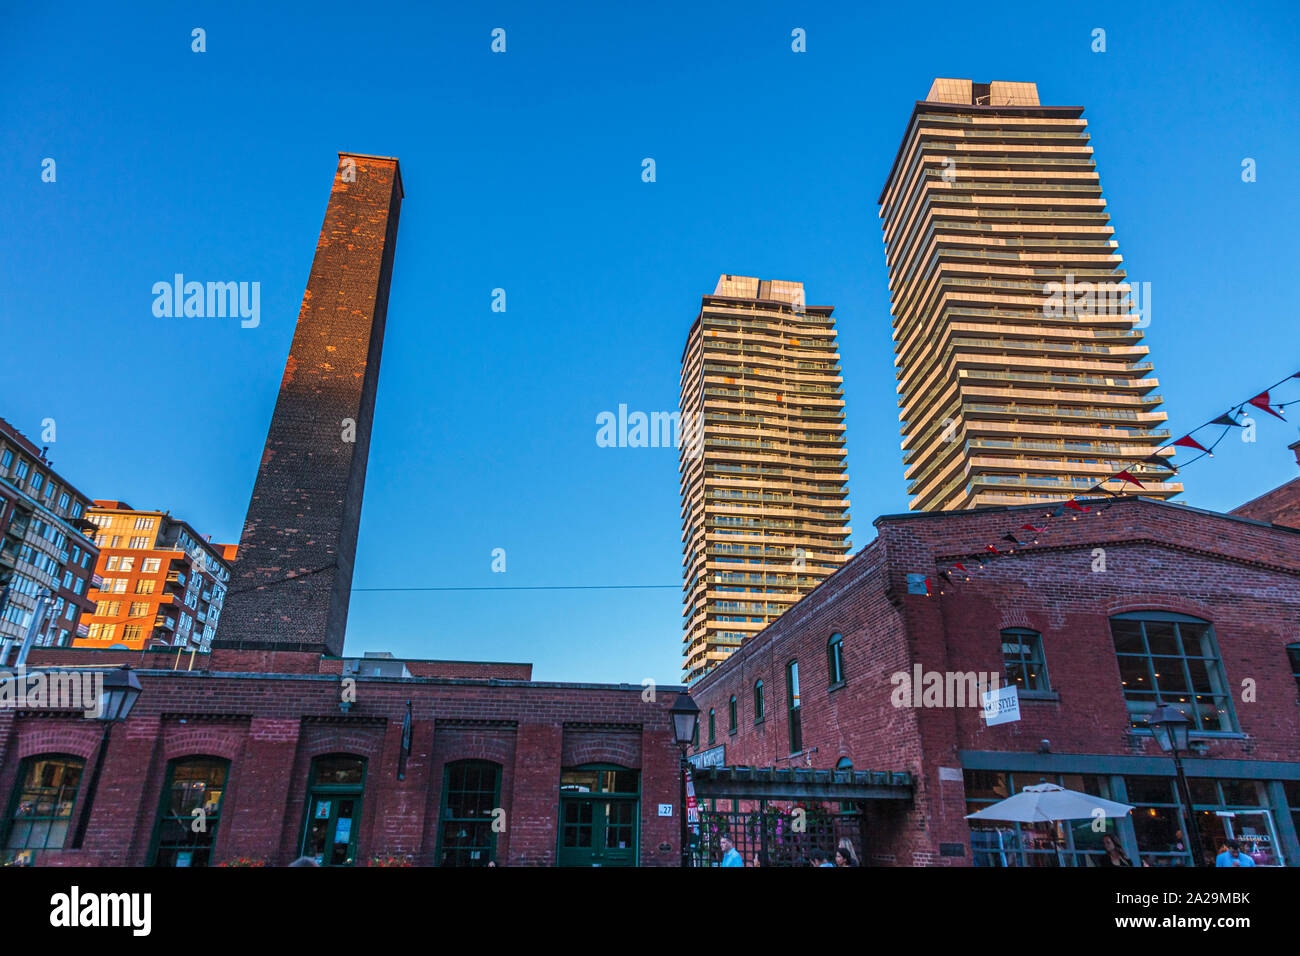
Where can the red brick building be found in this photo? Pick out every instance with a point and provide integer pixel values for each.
(1090, 616)
(288, 754)
(274, 746)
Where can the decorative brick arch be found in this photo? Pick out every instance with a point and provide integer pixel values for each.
(321, 740)
(79, 742)
(1162, 602)
(496, 745)
(1016, 617)
(619, 747)
(223, 742)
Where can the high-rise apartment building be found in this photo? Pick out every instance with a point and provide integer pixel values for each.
(763, 473)
(1017, 339)
(161, 583)
(44, 553)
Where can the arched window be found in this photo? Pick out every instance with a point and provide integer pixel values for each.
(1167, 658)
(713, 730)
(471, 792)
(1022, 659)
(334, 809)
(758, 701)
(792, 706)
(189, 812)
(835, 659)
(731, 714)
(40, 812)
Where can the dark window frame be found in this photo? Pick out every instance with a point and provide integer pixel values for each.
(794, 719)
(1025, 662)
(26, 767)
(445, 819)
(186, 818)
(835, 659)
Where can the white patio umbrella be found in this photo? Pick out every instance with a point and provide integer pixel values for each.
(1047, 802)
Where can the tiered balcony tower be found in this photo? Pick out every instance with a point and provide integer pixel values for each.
(1017, 340)
(765, 490)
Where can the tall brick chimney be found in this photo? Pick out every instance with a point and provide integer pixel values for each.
(290, 585)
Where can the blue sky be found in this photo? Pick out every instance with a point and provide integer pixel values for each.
(522, 171)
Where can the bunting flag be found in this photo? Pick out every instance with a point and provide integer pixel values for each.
(1261, 401)
(1128, 477)
(1187, 441)
(1235, 417)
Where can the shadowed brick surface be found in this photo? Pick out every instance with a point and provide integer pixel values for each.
(306, 505)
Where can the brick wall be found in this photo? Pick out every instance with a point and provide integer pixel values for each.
(1242, 576)
(271, 725)
(306, 504)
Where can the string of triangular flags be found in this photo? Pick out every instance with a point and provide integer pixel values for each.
(1075, 508)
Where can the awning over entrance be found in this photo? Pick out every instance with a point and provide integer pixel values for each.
(773, 783)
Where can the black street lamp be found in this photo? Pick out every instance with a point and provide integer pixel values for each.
(116, 698)
(686, 715)
(1171, 728)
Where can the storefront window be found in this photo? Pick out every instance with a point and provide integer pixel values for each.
(1223, 810)
(41, 810)
(471, 791)
(190, 812)
(1061, 843)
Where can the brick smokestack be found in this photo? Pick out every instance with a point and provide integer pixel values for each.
(291, 582)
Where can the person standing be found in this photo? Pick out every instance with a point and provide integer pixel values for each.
(1233, 856)
(730, 856)
(818, 857)
(1114, 855)
(850, 854)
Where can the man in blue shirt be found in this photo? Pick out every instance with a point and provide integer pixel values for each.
(730, 856)
(1233, 856)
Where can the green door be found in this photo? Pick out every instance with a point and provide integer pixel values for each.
(332, 830)
(334, 809)
(599, 816)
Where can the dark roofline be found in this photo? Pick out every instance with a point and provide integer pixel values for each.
(931, 106)
(1226, 516)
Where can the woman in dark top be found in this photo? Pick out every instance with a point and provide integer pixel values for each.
(1113, 856)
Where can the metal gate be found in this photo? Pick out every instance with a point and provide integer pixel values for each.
(778, 835)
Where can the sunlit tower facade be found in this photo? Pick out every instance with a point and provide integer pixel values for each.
(1017, 338)
(765, 508)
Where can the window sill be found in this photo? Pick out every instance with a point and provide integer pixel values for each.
(1196, 734)
(760, 722)
(836, 686)
(1039, 695)
(732, 732)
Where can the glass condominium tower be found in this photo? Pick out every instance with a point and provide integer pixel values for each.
(763, 482)
(1017, 342)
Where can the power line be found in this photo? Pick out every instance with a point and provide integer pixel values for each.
(539, 587)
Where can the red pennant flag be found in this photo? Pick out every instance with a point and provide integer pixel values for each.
(1124, 475)
(1261, 401)
(1187, 441)
(989, 547)
(1075, 506)
(959, 566)
(1029, 527)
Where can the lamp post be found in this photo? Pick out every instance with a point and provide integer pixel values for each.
(1170, 726)
(686, 714)
(118, 696)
